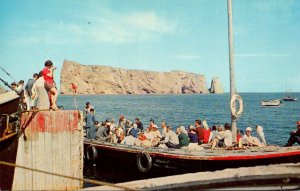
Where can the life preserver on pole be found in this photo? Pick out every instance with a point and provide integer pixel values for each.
(91, 153)
(233, 109)
(145, 157)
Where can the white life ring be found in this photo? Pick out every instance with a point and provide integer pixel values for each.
(144, 156)
(233, 109)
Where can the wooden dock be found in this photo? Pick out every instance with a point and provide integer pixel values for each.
(272, 177)
(50, 141)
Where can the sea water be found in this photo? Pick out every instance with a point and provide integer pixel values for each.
(184, 109)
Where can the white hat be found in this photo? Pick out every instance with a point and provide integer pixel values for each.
(248, 129)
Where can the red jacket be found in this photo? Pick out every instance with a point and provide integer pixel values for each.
(206, 135)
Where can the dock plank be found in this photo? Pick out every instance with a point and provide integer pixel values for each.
(275, 177)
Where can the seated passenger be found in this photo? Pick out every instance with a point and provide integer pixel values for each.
(124, 123)
(199, 131)
(155, 134)
(261, 135)
(164, 128)
(193, 145)
(248, 140)
(192, 134)
(206, 131)
(148, 135)
(115, 136)
(112, 127)
(171, 140)
(182, 136)
(103, 133)
(134, 129)
(143, 141)
(213, 133)
(223, 139)
(295, 136)
(239, 136)
(130, 139)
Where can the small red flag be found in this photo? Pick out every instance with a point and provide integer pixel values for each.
(74, 87)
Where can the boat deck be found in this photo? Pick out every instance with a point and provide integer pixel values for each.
(205, 154)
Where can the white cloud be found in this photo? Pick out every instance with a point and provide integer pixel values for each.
(110, 27)
(135, 27)
(149, 22)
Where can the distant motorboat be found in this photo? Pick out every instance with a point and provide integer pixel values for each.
(274, 102)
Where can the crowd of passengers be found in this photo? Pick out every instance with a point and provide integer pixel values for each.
(194, 137)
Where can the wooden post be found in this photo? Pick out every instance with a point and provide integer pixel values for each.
(53, 142)
(231, 68)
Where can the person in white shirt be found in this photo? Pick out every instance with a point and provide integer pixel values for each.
(248, 140)
(224, 139)
(130, 139)
(39, 93)
(261, 135)
(171, 139)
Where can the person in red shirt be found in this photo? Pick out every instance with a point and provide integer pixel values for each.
(206, 131)
(49, 83)
(239, 134)
(199, 131)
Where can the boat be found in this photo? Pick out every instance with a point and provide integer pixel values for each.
(274, 102)
(9, 104)
(289, 97)
(189, 160)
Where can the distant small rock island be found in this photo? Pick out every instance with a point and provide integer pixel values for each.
(97, 79)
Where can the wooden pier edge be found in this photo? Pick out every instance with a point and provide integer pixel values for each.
(50, 141)
(271, 177)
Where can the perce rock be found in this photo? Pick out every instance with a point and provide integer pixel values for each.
(109, 80)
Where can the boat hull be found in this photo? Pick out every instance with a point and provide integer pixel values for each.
(9, 103)
(271, 103)
(192, 161)
(8, 153)
(290, 99)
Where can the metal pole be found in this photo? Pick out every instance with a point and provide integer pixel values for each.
(8, 74)
(231, 67)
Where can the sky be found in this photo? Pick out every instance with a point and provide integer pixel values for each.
(156, 35)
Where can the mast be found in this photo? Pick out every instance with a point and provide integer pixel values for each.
(231, 67)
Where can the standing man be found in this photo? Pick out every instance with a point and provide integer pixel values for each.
(295, 136)
(90, 120)
(87, 110)
(28, 92)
